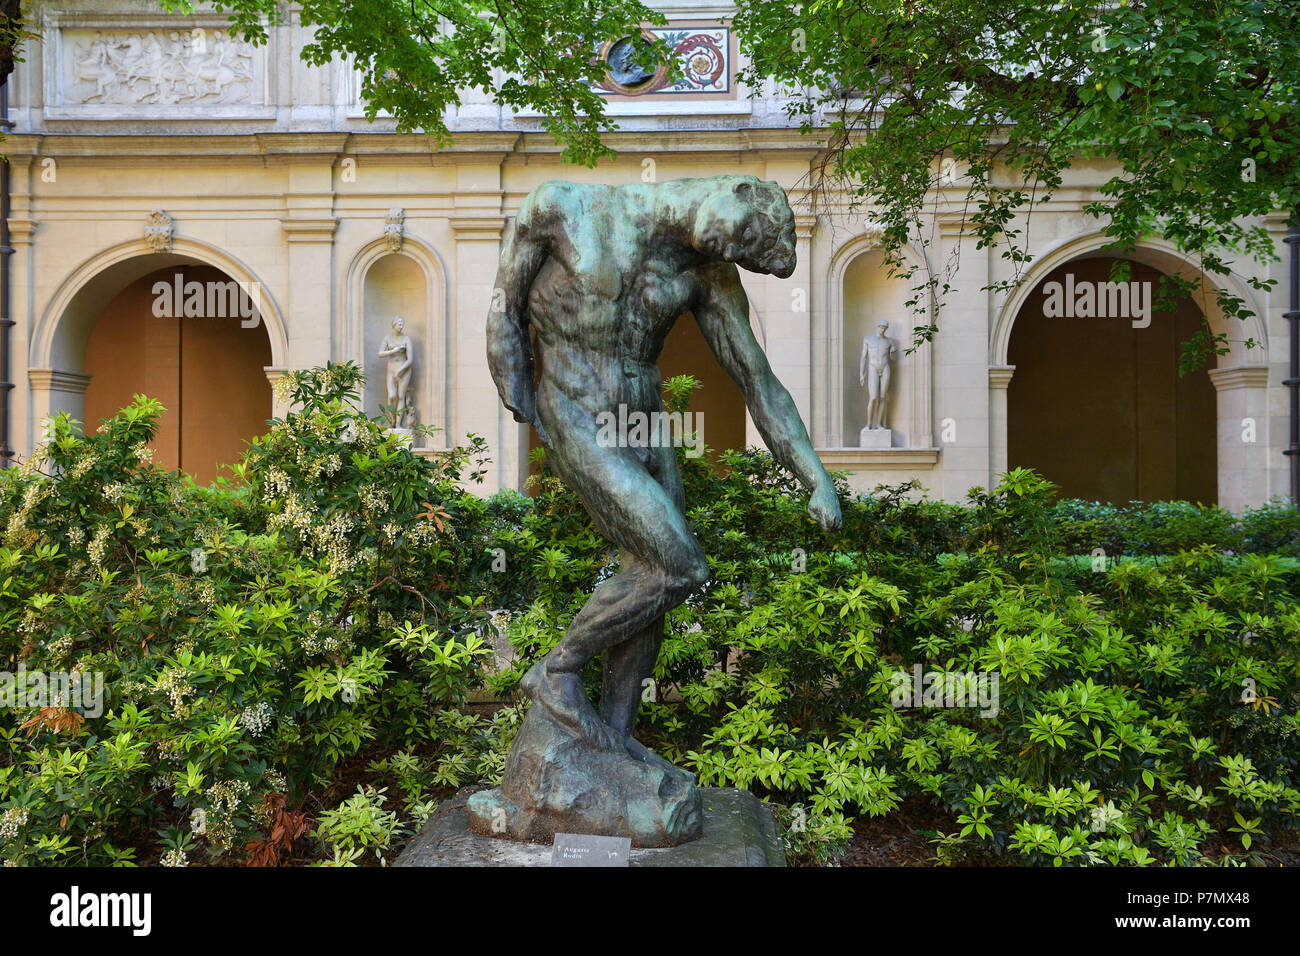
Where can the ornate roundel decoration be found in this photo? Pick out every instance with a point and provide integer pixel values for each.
(703, 58)
(624, 72)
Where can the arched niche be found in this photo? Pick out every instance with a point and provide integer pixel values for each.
(379, 285)
(395, 285)
(861, 293)
(1097, 404)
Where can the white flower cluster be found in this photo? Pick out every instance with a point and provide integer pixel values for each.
(274, 485)
(206, 592)
(11, 822)
(17, 524)
(332, 540)
(375, 501)
(84, 465)
(223, 799)
(61, 648)
(113, 492)
(256, 718)
(32, 464)
(35, 493)
(199, 822)
(172, 682)
(283, 387)
(98, 545)
(175, 857)
(293, 516)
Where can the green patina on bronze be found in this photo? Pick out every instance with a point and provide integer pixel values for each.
(600, 274)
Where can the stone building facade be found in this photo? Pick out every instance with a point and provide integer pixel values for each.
(151, 148)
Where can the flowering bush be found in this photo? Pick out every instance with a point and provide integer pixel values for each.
(247, 649)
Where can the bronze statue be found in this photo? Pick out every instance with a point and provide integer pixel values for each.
(600, 274)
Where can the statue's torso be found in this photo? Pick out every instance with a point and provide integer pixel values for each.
(878, 348)
(601, 326)
(402, 343)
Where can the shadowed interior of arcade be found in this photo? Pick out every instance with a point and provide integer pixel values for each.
(207, 369)
(1096, 403)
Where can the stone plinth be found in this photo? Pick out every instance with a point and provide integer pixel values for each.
(876, 438)
(739, 830)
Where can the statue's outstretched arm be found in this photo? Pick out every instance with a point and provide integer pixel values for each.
(722, 312)
(510, 353)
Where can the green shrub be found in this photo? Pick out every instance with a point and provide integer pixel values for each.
(251, 639)
(287, 655)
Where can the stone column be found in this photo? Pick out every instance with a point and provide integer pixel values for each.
(308, 229)
(999, 379)
(962, 346)
(273, 375)
(1243, 447)
(478, 224)
(55, 390)
(22, 238)
(785, 305)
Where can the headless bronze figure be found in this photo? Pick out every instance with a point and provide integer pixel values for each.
(600, 274)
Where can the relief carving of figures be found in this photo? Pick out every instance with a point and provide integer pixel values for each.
(198, 66)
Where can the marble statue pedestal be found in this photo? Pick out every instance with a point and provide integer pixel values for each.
(403, 435)
(739, 830)
(876, 438)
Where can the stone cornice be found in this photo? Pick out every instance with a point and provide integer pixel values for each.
(22, 232)
(1239, 376)
(744, 142)
(296, 147)
(878, 459)
(309, 228)
(952, 224)
(388, 147)
(481, 228)
(1000, 375)
(58, 380)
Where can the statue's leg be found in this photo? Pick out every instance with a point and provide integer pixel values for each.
(883, 394)
(628, 665)
(873, 398)
(403, 397)
(663, 563)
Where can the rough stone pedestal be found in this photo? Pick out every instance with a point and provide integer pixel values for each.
(556, 782)
(876, 438)
(739, 830)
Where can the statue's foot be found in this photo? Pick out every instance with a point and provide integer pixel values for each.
(565, 699)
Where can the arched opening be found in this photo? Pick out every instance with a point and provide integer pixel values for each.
(1096, 403)
(718, 404)
(186, 336)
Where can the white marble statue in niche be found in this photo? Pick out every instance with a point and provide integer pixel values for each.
(875, 368)
(400, 352)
